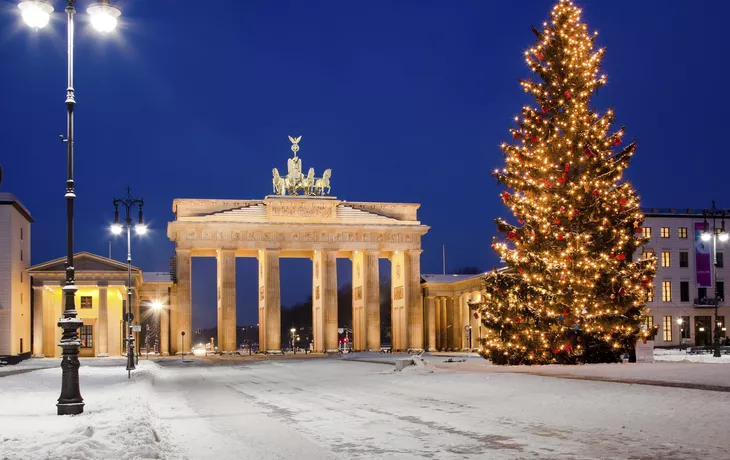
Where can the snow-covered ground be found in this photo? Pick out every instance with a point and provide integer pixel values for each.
(680, 355)
(332, 408)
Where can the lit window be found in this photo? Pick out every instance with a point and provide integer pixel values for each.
(665, 232)
(651, 294)
(649, 321)
(667, 328)
(86, 335)
(646, 231)
(682, 232)
(86, 301)
(666, 259)
(666, 291)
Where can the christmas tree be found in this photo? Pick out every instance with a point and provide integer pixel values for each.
(571, 291)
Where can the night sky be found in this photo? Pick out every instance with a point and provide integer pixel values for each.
(406, 101)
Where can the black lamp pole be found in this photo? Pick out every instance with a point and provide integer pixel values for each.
(70, 402)
(128, 203)
(714, 214)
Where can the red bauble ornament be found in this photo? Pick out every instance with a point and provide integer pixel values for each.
(516, 135)
(595, 193)
(505, 196)
(560, 236)
(544, 109)
(540, 56)
(623, 201)
(622, 291)
(556, 350)
(556, 221)
(476, 315)
(588, 153)
(568, 347)
(617, 141)
(567, 167)
(521, 270)
(621, 257)
(645, 283)
(611, 256)
(568, 94)
(562, 179)
(518, 320)
(533, 139)
(639, 230)
(511, 235)
(565, 312)
(575, 212)
(568, 258)
(562, 209)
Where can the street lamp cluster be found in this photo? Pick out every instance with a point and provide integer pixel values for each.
(715, 233)
(37, 14)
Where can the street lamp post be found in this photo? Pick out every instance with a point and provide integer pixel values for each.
(128, 203)
(37, 14)
(716, 233)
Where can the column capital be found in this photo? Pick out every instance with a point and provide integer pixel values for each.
(102, 284)
(183, 251)
(413, 251)
(371, 252)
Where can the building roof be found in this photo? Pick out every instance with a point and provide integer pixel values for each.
(9, 199)
(673, 212)
(156, 277)
(82, 261)
(426, 278)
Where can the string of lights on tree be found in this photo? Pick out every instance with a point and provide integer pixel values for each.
(571, 291)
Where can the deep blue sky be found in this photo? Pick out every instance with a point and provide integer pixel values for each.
(406, 101)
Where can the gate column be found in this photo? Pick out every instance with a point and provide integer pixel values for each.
(269, 302)
(226, 262)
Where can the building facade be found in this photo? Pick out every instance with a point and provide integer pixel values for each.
(101, 299)
(15, 303)
(685, 285)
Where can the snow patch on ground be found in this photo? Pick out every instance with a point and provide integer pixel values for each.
(680, 355)
(117, 423)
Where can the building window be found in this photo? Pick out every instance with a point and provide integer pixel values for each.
(720, 290)
(649, 321)
(21, 255)
(667, 328)
(721, 326)
(683, 259)
(666, 259)
(665, 232)
(682, 232)
(21, 276)
(21, 233)
(86, 334)
(666, 291)
(646, 231)
(684, 327)
(86, 301)
(21, 298)
(684, 291)
(719, 261)
(702, 293)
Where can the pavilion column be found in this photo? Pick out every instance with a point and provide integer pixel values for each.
(38, 322)
(464, 321)
(475, 322)
(102, 324)
(371, 273)
(183, 312)
(414, 299)
(359, 316)
(317, 302)
(438, 322)
(226, 262)
(269, 302)
(451, 331)
(444, 324)
(399, 318)
(329, 302)
(430, 323)
(165, 327)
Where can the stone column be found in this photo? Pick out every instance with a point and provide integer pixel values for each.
(183, 312)
(371, 273)
(226, 263)
(359, 318)
(399, 319)
(317, 302)
(475, 322)
(430, 323)
(269, 302)
(450, 333)
(329, 304)
(465, 321)
(414, 299)
(444, 325)
(102, 324)
(165, 326)
(38, 322)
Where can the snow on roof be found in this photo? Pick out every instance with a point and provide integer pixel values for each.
(448, 278)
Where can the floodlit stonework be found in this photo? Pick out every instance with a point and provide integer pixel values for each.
(318, 228)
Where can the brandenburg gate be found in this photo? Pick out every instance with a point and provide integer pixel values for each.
(314, 226)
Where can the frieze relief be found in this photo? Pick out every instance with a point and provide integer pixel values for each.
(298, 237)
(316, 210)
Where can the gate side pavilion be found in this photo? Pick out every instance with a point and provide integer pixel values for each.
(319, 228)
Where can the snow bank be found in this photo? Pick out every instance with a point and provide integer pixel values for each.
(679, 355)
(117, 423)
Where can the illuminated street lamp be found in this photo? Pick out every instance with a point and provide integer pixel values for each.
(37, 14)
(715, 233)
(128, 203)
